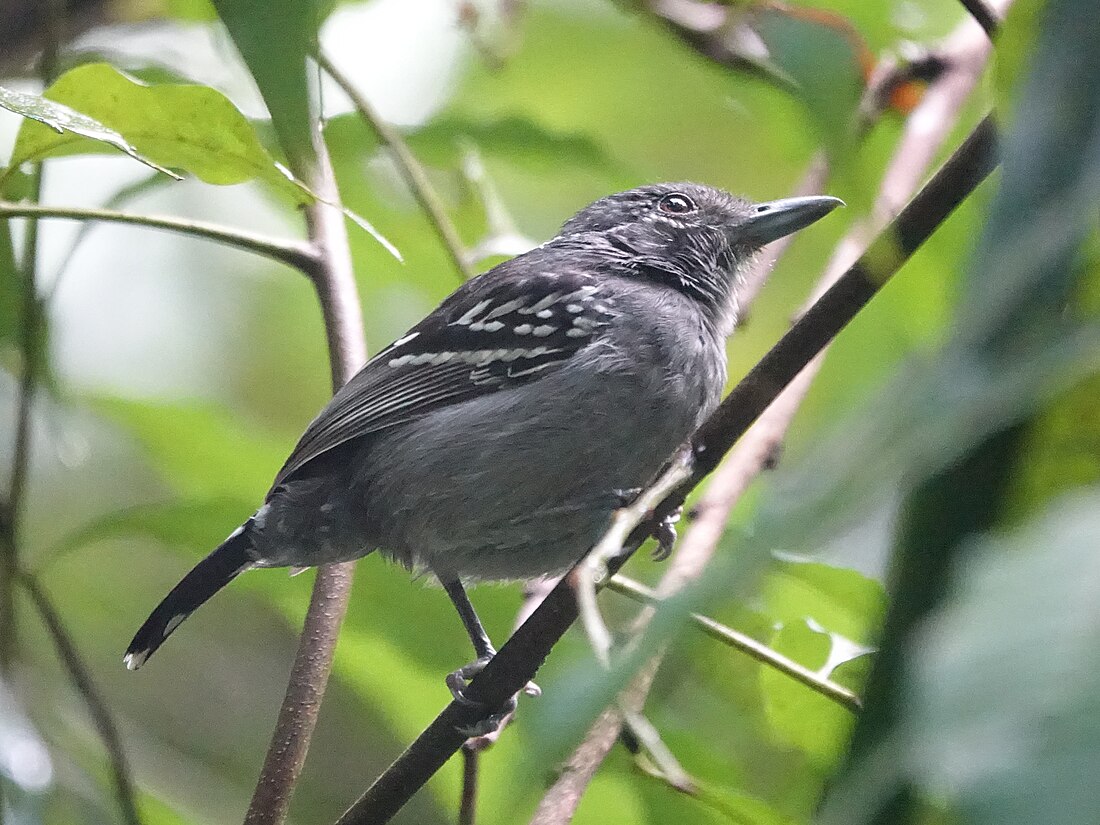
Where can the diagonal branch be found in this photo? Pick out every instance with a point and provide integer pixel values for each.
(410, 168)
(521, 656)
(987, 18)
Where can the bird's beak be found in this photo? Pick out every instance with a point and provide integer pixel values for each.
(772, 220)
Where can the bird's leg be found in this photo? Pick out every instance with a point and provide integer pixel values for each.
(483, 647)
(484, 650)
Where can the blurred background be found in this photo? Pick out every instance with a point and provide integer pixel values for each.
(178, 373)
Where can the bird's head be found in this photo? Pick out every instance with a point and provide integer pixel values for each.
(694, 238)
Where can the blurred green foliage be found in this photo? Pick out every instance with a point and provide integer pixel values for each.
(216, 361)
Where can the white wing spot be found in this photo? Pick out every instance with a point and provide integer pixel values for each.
(576, 333)
(473, 312)
(523, 329)
(574, 308)
(543, 331)
(504, 309)
(401, 360)
(541, 305)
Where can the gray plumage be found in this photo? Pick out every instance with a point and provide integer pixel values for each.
(494, 440)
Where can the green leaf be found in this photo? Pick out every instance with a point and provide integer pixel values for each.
(800, 716)
(63, 125)
(199, 11)
(1005, 705)
(839, 600)
(529, 144)
(188, 127)
(274, 37)
(196, 525)
(822, 61)
(201, 451)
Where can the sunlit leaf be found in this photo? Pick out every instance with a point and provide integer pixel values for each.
(800, 716)
(63, 125)
(189, 127)
(838, 600)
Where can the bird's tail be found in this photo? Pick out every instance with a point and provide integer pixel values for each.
(210, 575)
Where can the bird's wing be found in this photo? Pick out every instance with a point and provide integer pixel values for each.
(497, 331)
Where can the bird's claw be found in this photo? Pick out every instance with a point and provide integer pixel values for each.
(460, 679)
(457, 680)
(665, 533)
(624, 496)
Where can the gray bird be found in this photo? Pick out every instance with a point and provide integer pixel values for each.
(495, 439)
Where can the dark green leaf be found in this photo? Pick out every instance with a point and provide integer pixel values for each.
(274, 37)
(1005, 708)
(194, 525)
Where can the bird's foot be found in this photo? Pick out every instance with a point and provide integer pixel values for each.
(665, 533)
(460, 679)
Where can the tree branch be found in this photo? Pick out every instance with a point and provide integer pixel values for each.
(521, 656)
(296, 254)
(409, 167)
(81, 678)
(334, 280)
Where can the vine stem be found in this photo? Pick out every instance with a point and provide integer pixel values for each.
(409, 167)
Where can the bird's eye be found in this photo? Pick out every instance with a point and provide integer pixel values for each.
(676, 204)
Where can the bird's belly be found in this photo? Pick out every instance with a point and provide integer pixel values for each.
(485, 491)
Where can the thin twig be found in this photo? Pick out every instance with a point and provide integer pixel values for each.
(334, 281)
(467, 806)
(410, 168)
(519, 659)
(81, 678)
(296, 254)
(985, 15)
(746, 644)
(30, 339)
